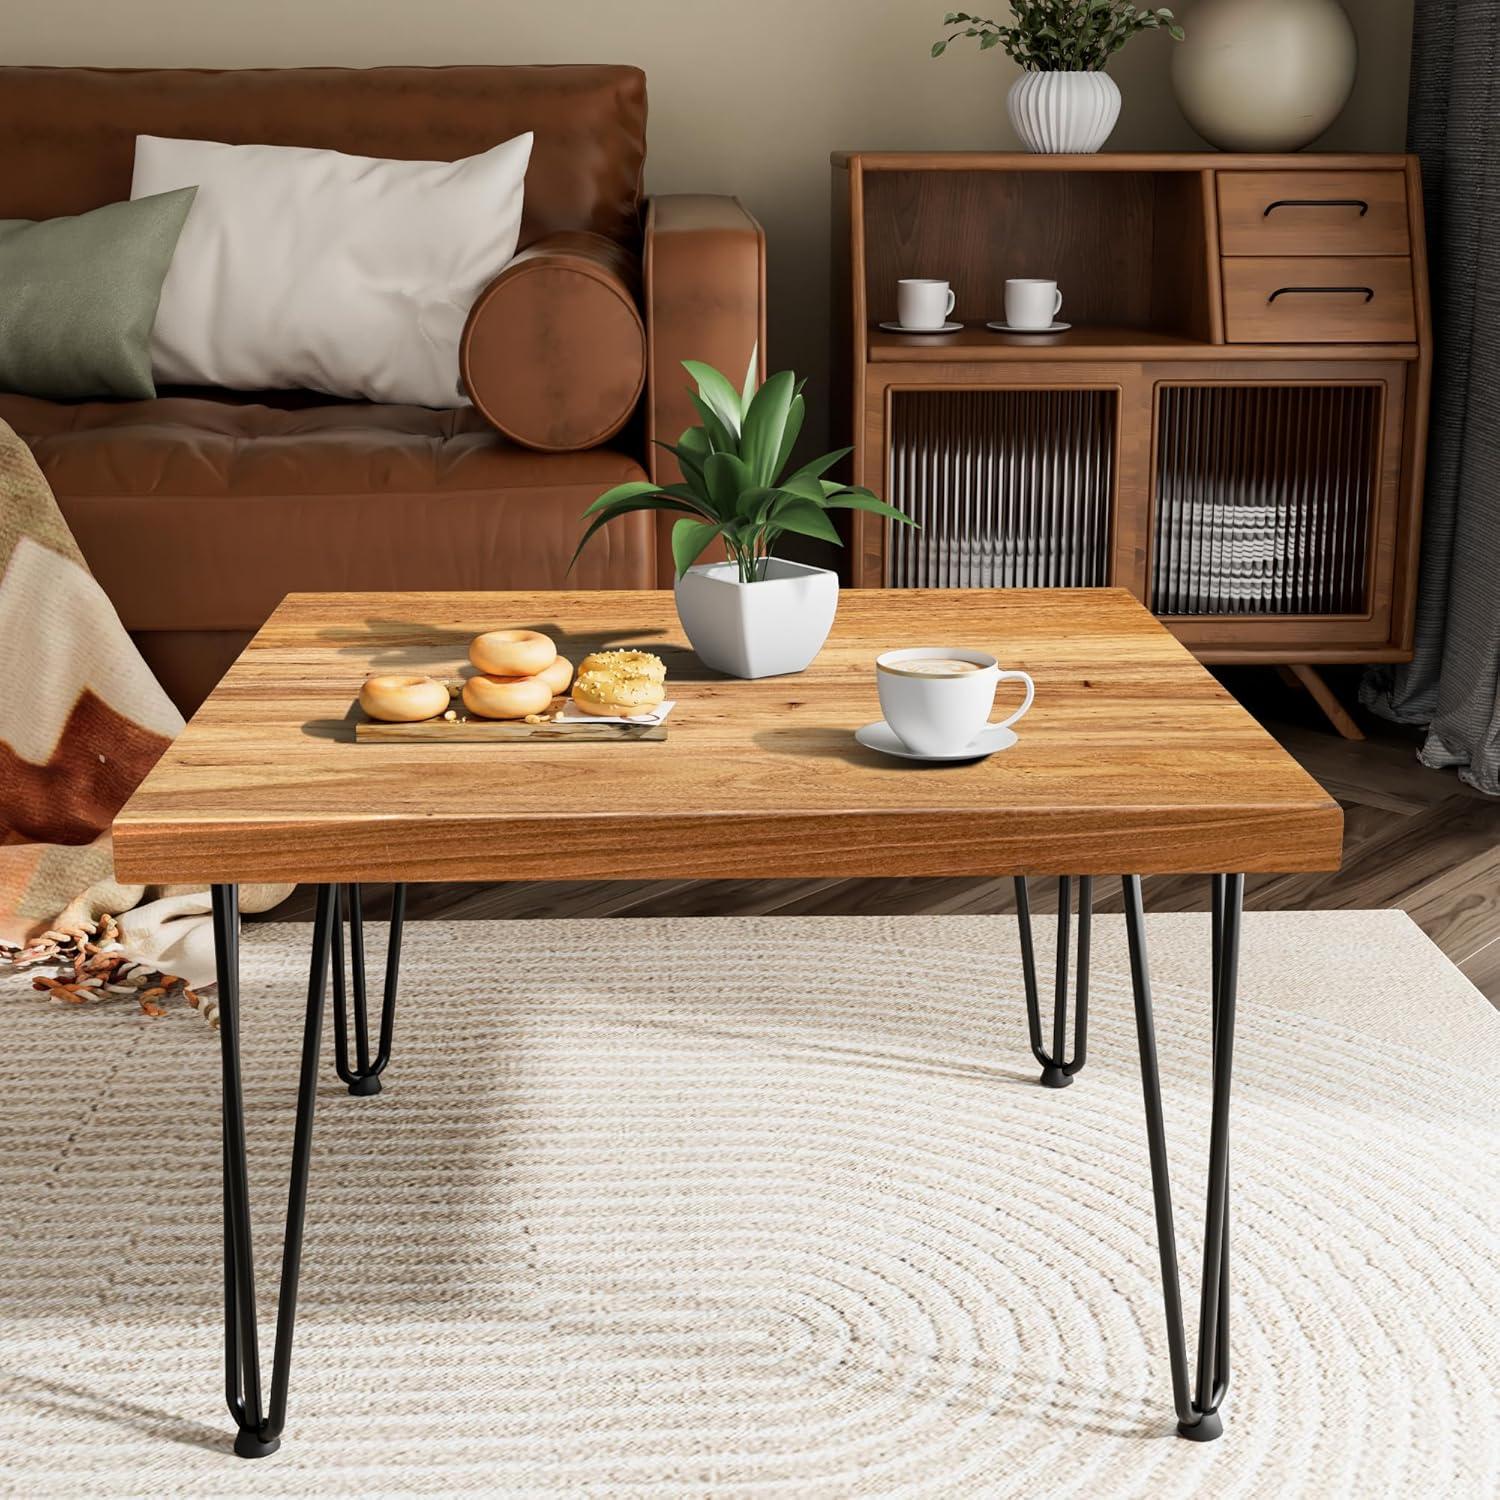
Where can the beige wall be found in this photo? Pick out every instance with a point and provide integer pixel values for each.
(747, 96)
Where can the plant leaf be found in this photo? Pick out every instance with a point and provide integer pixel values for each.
(625, 509)
(751, 378)
(719, 438)
(727, 477)
(689, 460)
(632, 490)
(689, 538)
(693, 496)
(755, 503)
(795, 413)
(805, 518)
(765, 426)
(863, 500)
(717, 393)
(819, 466)
(804, 487)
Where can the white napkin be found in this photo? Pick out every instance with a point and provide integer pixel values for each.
(571, 713)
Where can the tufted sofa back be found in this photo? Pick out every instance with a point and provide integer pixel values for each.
(67, 135)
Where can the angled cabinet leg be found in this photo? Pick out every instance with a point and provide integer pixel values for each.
(1057, 1068)
(261, 1418)
(1197, 1403)
(363, 1074)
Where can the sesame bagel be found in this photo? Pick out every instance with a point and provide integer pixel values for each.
(615, 696)
(625, 664)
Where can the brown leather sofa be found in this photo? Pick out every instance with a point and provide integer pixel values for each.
(197, 511)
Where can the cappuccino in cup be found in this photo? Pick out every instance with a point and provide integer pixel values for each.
(937, 666)
(938, 698)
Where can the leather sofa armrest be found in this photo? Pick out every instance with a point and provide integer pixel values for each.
(705, 293)
(553, 354)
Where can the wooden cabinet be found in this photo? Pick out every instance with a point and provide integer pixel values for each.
(1233, 428)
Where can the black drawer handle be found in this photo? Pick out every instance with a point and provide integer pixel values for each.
(1367, 292)
(1358, 203)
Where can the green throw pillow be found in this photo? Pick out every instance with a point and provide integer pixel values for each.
(78, 297)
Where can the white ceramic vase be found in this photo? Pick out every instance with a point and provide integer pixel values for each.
(764, 629)
(1063, 112)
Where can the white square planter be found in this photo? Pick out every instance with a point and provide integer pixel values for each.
(764, 629)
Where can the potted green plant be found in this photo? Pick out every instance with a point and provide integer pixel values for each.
(1063, 101)
(755, 615)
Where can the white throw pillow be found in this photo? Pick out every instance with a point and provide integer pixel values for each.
(301, 269)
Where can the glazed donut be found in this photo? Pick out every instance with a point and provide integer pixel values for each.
(506, 697)
(614, 696)
(625, 664)
(403, 698)
(512, 653)
(558, 675)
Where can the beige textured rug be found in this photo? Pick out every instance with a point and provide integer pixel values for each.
(768, 1207)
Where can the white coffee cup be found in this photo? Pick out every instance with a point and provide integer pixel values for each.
(942, 714)
(923, 304)
(1031, 304)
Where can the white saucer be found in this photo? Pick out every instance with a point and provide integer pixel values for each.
(1006, 328)
(921, 332)
(880, 736)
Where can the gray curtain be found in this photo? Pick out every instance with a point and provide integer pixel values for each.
(1453, 683)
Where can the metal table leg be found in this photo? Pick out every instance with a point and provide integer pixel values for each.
(1197, 1412)
(261, 1421)
(1057, 1069)
(363, 1077)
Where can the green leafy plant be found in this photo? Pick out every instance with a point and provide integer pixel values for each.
(1060, 36)
(731, 465)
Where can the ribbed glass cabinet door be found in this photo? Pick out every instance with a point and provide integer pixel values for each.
(1011, 488)
(1264, 499)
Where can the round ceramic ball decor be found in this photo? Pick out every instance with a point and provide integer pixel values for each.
(1264, 75)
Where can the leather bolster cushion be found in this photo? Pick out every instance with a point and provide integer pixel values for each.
(554, 352)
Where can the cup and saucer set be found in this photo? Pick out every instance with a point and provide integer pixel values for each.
(925, 306)
(937, 702)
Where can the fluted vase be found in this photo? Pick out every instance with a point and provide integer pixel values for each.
(1063, 112)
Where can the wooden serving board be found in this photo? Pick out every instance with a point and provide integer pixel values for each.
(481, 731)
(471, 730)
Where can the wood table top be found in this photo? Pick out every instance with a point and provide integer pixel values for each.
(1133, 759)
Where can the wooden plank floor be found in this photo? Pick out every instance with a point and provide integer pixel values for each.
(1414, 839)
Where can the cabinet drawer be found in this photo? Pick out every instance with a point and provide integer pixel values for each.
(1313, 213)
(1318, 300)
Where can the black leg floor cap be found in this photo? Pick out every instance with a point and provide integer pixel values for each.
(251, 1445)
(1204, 1430)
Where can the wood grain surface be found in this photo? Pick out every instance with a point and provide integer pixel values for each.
(1313, 213)
(977, 345)
(1312, 301)
(1133, 758)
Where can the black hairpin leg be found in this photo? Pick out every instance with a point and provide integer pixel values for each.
(1058, 1071)
(1198, 1412)
(364, 1077)
(261, 1423)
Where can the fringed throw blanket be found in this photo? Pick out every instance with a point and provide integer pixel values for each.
(82, 719)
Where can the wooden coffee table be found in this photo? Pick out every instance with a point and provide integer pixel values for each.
(1134, 761)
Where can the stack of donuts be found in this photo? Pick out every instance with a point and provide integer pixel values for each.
(519, 674)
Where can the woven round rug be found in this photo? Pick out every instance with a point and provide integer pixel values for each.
(768, 1207)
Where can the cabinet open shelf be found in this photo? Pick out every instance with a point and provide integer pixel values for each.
(974, 343)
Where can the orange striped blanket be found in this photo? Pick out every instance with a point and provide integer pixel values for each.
(82, 720)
